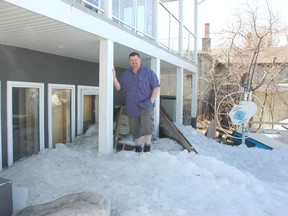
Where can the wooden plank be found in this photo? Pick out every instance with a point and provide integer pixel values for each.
(117, 128)
(172, 132)
(166, 124)
(122, 129)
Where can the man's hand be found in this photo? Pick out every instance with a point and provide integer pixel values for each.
(115, 81)
(114, 72)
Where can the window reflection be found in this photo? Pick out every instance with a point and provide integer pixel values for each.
(25, 122)
(61, 116)
(90, 112)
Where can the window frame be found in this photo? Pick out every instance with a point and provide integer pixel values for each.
(81, 92)
(63, 87)
(0, 127)
(17, 84)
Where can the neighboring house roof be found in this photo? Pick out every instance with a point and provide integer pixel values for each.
(282, 87)
(274, 54)
(267, 55)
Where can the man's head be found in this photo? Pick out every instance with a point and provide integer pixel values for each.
(135, 61)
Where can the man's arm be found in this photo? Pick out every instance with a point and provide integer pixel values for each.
(154, 94)
(115, 80)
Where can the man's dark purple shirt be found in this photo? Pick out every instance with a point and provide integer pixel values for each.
(138, 89)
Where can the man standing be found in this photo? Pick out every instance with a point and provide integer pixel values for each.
(140, 86)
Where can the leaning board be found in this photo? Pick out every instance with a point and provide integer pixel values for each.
(172, 132)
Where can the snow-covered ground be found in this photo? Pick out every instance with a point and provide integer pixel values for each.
(221, 180)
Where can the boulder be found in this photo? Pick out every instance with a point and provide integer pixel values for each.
(77, 204)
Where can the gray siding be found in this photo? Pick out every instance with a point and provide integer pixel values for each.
(24, 65)
(30, 66)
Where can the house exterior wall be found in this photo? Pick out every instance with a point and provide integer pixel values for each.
(169, 88)
(69, 28)
(276, 108)
(24, 65)
(30, 66)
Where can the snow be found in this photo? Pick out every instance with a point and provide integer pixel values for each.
(220, 180)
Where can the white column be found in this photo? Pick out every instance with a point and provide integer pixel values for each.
(155, 66)
(156, 20)
(179, 96)
(107, 6)
(195, 31)
(194, 101)
(106, 96)
(194, 75)
(180, 41)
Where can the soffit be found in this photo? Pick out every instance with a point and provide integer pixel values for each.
(25, 29)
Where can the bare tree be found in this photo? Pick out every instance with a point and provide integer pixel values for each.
(247, 52)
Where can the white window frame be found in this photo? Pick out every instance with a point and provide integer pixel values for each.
(10, 86)
(81, 92)
(63, 87)
(0, 130)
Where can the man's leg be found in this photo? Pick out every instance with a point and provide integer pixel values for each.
(147, 145)
(137, 141)
(138, 145)
(147, 117)
(135, 128)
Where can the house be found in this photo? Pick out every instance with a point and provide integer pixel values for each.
(56, 60)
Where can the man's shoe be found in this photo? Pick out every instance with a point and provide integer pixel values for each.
(147, 148)
(138, 149)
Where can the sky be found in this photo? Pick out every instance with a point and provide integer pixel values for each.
(221, 180)
(219, 13)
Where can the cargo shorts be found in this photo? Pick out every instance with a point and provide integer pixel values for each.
(143, 124)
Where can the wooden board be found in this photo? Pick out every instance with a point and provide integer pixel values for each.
(122, 130)
(166, 125)
(172, 132)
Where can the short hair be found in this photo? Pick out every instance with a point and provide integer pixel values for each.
(134, 54)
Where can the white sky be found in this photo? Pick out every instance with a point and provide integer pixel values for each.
(222, 180)
(218, 13)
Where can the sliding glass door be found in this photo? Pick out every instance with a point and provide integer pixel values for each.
(0, 130)
(25, 119)
(88, 108)
(61, 106)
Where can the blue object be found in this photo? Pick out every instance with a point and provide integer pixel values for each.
(240, 115)
(249, 142)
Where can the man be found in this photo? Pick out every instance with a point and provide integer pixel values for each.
(140, 86)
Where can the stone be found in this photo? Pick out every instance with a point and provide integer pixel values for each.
(76, 204)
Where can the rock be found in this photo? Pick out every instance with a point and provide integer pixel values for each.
(77, 204)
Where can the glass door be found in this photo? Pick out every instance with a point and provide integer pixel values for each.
(61, 114)
(88, 108)
(89, 112)
(25, 120)
(0, 129)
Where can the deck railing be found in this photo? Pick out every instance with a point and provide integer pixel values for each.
(168, 30)
(169, 35)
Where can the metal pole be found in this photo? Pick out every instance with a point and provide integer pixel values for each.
(245, 98)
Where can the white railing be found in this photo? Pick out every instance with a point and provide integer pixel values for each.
(94, 5)
(271, 129)
(169, 35)
(132, 28)
(168, 29)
